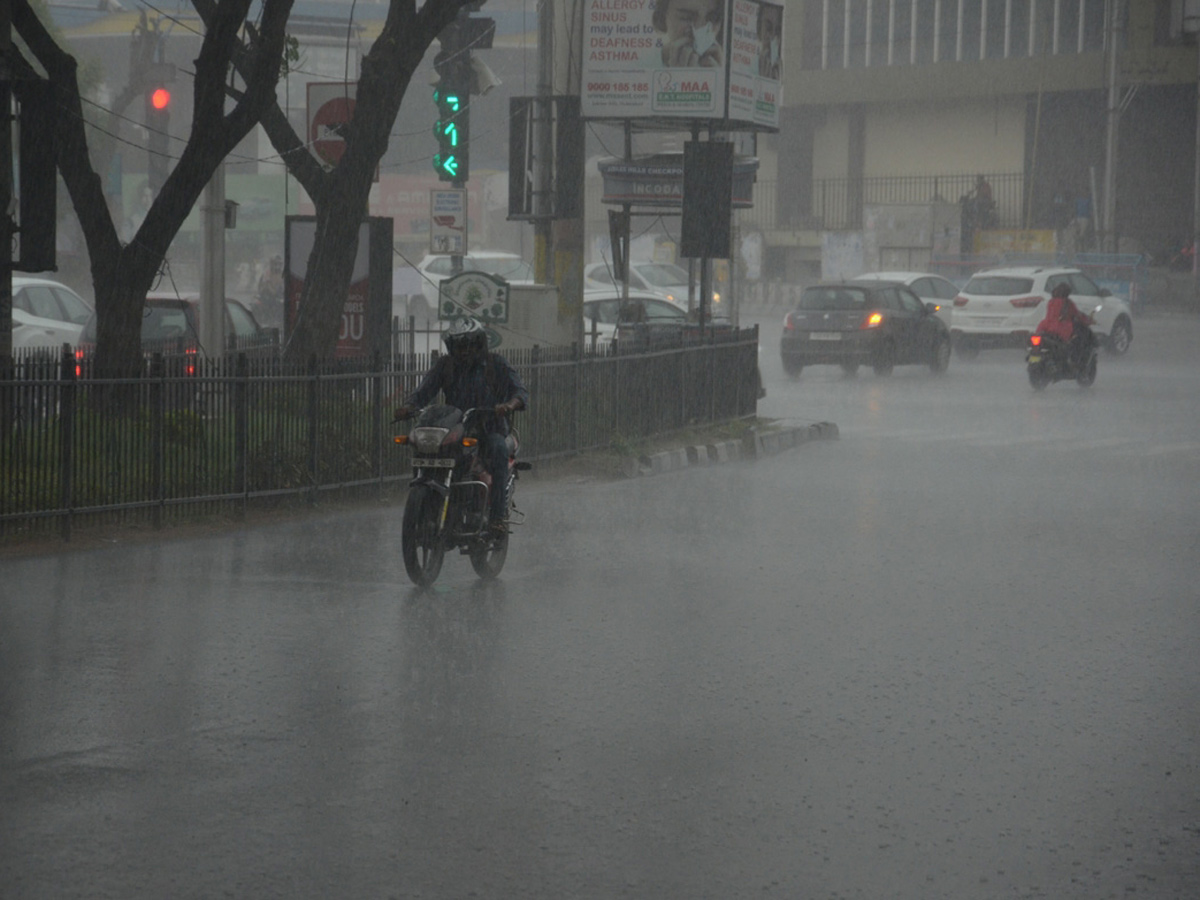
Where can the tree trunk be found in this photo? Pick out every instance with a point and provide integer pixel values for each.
(122, 274)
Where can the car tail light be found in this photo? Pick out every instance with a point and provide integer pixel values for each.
(190, 365)
(788, 324)
(1025, 302)
(874, 320)
(1035, 340)
(960, 300)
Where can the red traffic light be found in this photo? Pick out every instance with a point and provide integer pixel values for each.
(160, 98)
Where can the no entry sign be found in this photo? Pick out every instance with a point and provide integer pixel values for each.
(330, 108)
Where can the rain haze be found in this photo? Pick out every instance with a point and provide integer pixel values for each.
(947, 651)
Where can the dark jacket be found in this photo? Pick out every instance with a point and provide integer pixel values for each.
(486, 383)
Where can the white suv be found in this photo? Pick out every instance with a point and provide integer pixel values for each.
(1002, 307)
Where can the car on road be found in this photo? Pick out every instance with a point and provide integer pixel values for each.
(509, 266)
(46, 314)
(171, 326)
(929, 287)
(1001, 307)
(665, 279)
(881, 324)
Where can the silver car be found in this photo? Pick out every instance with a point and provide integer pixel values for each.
(46, 314)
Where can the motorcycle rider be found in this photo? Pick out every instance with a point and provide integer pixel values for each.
(471, 377)
(1065, 321)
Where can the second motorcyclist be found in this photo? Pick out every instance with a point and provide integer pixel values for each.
(471, 377)
(1065, 321)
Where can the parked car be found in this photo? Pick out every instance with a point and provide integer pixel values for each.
(46, 314)
(602, 313)
(171, 326)
(644, 319)
(883, 325)
(665, 279)
(929, 287)
(509, 266)
(1002, 307)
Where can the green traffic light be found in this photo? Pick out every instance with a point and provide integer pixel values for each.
(450, 101)
(446, 133)
(446, 165)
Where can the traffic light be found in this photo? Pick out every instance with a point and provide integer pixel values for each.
(452, 129)
(158, 121)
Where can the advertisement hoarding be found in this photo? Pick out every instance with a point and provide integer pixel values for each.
(683, 59)
(367, 311)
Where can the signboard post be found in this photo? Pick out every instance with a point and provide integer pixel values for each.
(448, 221)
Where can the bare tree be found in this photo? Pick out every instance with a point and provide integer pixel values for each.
(340, 196)
(122, 274)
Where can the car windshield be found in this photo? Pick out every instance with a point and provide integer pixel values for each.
(832, 298)
(662, 274)
(999, 285)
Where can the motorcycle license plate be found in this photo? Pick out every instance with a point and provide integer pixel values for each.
(1034, 359)
(434, 464)
(825, 336)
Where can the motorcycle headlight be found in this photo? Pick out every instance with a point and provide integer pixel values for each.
(428, 440)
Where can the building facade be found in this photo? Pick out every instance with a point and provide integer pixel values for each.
(908, 101)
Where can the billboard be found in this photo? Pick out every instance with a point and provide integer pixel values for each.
(694, 60)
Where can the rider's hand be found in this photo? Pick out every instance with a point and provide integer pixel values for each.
(506, 409)
(402, 412)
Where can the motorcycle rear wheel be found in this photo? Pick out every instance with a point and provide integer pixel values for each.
(1038, 377)
(421, 543)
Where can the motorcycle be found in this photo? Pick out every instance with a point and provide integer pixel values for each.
(449, 495)
(1049, 359)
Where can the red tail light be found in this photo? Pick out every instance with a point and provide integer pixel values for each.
(960, 300)
(1025, 302)
(788, 324)
(874, 320)
(1035, 340)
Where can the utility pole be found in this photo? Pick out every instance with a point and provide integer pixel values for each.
(1108, 222)
(543, 143)
(212, 287)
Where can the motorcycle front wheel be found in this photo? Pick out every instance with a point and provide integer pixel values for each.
(421, 543)
(488, 559)
(1087, 377)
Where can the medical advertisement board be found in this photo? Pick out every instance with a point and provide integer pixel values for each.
(695, 60)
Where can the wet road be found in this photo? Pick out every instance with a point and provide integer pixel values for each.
(950, 655)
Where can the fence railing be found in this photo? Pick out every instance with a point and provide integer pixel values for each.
(80, 450)
(837, 203)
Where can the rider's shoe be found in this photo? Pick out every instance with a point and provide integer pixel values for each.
(498, 527)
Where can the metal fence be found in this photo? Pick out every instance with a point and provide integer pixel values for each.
(202, 437)
(836, 204)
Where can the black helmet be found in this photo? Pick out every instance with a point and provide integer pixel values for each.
(466, 332)
(1062, 289)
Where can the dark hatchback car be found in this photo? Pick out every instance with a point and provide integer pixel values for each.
(171, 326)
(883, 325)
